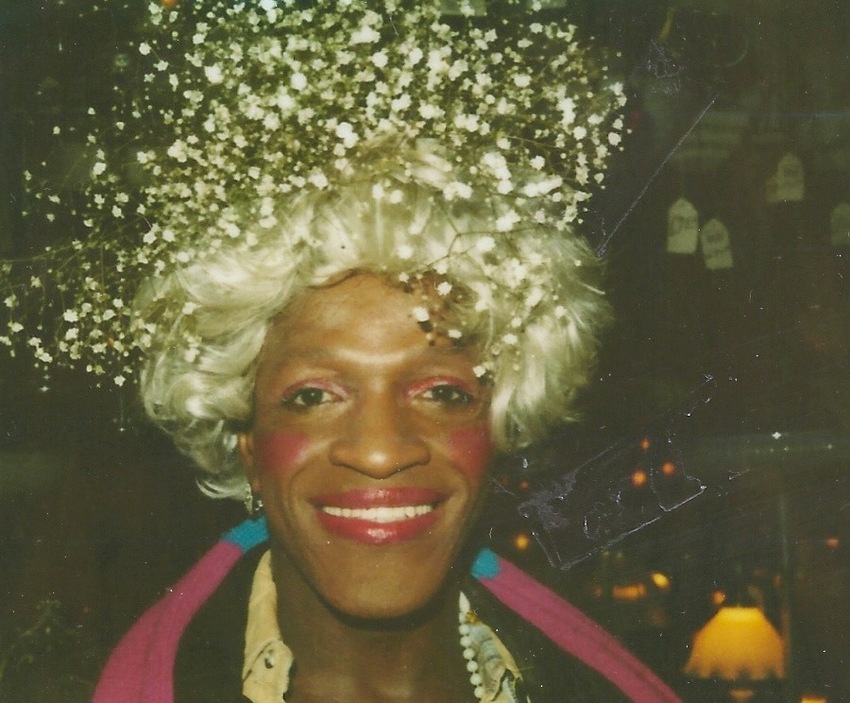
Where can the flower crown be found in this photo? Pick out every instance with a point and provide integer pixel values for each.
(240, 105)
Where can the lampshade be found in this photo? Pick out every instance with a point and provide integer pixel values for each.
(737, 644)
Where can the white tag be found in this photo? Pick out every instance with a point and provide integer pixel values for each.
(839, 225)
(786, 185)
(682, 228)
(716, 245)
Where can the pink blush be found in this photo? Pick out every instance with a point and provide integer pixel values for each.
(280, 452)
(471, 449)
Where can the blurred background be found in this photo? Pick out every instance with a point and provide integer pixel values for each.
(700, 511)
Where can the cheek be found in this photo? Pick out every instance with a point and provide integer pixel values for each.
(471, 450)
(279, 453)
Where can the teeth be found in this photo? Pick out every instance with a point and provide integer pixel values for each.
(382, 514)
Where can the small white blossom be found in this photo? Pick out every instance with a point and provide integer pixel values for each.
(214, 74)
(298, 81)
(420, 314)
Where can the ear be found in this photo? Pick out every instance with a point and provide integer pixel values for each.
(245, 441)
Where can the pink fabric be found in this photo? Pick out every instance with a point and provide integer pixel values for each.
(576, 634)
(141, 669)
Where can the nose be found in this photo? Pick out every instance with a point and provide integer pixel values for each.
(379, 439)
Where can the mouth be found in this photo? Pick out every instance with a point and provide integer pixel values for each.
(379, 516)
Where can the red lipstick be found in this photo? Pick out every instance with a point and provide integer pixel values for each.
(379, 516)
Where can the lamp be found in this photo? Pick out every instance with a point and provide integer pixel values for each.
(740, 645)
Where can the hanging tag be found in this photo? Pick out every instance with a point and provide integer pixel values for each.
(716, 245)
(839, 225)
(682, 228)
(786, 185)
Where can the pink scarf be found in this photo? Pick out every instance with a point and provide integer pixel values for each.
(141, 668)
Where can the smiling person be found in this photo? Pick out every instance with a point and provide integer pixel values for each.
(358, 281)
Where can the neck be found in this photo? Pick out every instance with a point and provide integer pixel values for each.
(413, 657)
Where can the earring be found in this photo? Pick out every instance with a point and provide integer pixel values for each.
(253, 503)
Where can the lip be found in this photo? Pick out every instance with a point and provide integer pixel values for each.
(379, 516)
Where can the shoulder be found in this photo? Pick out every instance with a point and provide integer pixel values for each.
(208, 668)
(549, 674)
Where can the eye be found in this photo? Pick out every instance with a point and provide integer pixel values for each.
(307, 397)
(448, 394)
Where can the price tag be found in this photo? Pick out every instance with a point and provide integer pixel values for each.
(839, 225)
(682, 228)
(787, 184)
(716, 245)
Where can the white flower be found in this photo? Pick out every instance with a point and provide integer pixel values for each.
(365, 35)
(70, 316)
(420, 314)
(119, 380)
(345, 131)
(380, 59)
(144, 48)
(444, 288)
(614, 139)
(298, 81)
(405, 252)
(99, 168)
(214, 74)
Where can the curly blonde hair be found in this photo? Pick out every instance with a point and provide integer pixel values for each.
(528, 296)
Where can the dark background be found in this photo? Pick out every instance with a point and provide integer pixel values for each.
(737, 380)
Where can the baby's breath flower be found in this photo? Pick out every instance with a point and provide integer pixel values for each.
(250, 104)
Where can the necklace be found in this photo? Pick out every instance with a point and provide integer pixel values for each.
(466, 621)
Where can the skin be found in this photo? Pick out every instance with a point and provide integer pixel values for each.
(352, 403)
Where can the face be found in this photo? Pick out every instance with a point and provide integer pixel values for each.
(369, 448)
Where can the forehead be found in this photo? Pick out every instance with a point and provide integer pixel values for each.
(359, 317)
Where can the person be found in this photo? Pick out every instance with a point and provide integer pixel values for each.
(344, 324)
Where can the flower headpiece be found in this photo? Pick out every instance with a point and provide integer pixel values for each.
(241, 105)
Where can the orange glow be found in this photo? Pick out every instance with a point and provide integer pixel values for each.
(668, 468)
(645, 444)
(809, 698)
(718, 598)
(661, 581)
(523, 485)
(832, 542)
(169, 3)
(737, 644)
(639, 478)
(629, 592)
(522, 541)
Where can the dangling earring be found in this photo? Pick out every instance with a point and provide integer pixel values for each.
(253, 503)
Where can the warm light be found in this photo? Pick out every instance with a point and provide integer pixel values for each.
(639, 478)
(169, 3)
(662, 583)
(832, 542)
(523, 485)
(718, 598)
(522, 541)
(809, 698)
(645, 444)
(668, 468)
(629, 592)
(738, 643)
